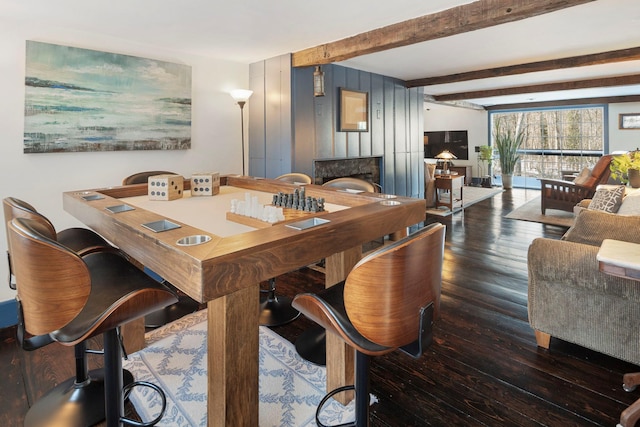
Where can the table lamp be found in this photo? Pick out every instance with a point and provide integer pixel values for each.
(446, 156)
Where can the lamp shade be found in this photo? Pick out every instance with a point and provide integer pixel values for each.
(446, 155)
(241, 95)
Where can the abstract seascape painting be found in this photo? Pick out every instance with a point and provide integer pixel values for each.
(86, 100)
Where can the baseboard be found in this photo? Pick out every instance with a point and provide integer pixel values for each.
(8, 313)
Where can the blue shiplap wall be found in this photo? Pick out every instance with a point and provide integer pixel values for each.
(311, 132)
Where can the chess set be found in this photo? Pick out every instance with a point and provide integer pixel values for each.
(285, 208)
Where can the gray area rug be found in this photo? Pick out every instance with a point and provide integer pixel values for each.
(176, 360)
(530, 211)
(470, 195)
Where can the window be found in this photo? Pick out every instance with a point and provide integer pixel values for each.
(557, 141)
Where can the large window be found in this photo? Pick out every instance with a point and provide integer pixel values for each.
(557, 141)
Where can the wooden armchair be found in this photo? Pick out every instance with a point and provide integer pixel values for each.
(564, 195)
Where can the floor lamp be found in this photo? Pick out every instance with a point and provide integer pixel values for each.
(241, 96)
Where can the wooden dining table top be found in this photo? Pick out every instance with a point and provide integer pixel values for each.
(237, 255)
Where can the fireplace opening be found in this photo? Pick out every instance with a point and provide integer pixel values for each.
(365, 168)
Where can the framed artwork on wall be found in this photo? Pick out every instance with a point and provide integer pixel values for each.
(629, 121)
(87, 100)
(354, 111)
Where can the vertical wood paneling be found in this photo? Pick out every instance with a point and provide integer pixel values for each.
(325, 118)
(401, 175)
(256, 115)
(364, 149)
(395, 125)
(377, 115)
(353, 138)
(286, 121)
(401, 118)
(340, 141)
(304, 133)
(389, 135)
(273, 112)
(416, 109)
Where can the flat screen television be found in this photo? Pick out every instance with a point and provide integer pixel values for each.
(456, 141)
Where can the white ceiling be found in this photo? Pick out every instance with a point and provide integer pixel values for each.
(251, 30)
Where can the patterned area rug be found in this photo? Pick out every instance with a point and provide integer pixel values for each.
(470, 195)
(176, 360)
(530, 211)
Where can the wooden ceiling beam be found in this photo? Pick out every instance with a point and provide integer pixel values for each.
(567, 102)
(631, 54)
(457, 20)
(547, 87)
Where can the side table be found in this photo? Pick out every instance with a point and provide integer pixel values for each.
(451, 187)
(623, 259)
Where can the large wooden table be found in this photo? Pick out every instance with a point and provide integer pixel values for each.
(226, 272)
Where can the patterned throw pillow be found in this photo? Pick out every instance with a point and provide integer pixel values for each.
(583, 177)
(607, 199)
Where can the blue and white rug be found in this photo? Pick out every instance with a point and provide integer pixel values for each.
(176, 360)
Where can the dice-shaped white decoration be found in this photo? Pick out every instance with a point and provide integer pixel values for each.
(205, 184)
(165, 187)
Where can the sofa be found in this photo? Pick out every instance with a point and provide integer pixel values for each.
(569, 298)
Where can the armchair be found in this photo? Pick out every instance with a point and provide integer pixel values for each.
(564, 195)
(570, 299)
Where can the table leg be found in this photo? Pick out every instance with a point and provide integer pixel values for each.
(340, 357)
(133, 335)
(233, 346)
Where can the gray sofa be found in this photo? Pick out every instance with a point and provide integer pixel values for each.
(569, 298)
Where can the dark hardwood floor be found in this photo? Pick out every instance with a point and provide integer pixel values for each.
(483, 369)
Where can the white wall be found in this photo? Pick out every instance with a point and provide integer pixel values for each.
(623, 139)
(438, 117)
(40, 179)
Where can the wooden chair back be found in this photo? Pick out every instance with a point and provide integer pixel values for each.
(600, 172)
(385, 291)
(16, 208)
(53, 281)
(295, 177)
(143, 177)
(352, 184)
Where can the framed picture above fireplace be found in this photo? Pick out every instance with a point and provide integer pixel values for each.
(354, 110)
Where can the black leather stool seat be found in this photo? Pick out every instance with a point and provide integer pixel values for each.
(120, 292)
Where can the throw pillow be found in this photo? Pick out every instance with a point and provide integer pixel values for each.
(583, 176)
(630, 204)
(607, 199)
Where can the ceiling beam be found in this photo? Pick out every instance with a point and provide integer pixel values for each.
(458, 104)
(567, 102)
(631, 54)
(461, 19)
(547, 87)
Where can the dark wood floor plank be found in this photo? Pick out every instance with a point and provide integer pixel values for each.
(13, 397)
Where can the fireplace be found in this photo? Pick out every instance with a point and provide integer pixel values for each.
(366, 168)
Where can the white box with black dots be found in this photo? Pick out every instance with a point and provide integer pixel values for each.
(205, 184)
(165, 187)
